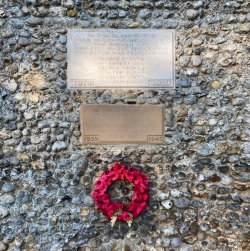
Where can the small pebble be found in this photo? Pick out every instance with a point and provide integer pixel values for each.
(192, 14)
(216, 85)
(223, 169)
(175, 242)
(3, 212)
(167, 204)
(182, 203)
(184, 83)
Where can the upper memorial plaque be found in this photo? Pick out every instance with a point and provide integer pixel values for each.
(123, 59)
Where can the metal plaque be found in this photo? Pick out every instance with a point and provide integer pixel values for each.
(122, 124)
(124, 59)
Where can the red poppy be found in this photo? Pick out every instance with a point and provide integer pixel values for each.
(124, 217)
(139, 201)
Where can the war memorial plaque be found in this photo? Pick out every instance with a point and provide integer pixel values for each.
(123, 59)
(122, 124)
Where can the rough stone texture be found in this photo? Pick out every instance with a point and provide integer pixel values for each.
(199, 179)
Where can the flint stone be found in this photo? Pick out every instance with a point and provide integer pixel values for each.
(163, 242)
(80, 166)
(8, 187)
(204, 226)
(161, 217)
(3, 212)
(28, 115)
(216, 85)
(23, 197)
(64, 124)
(175, 193)
(167, 204)
(182, 203)
(205, 161)
(168, 231)
(33, 22)
(197, 167)
(190, 100)
(4, 135)
(62, 39)
(35, 139)
(190, 239)
(198, 4)
(11, 126)
(224, 224)
(143, 232)
(192, 14)
(197, 61)
(175, 242)
(68, 3)
(246, 199)
(123, 13)
(243, 218)
(37, 80)
(11, 142)
(3, 14)
(16, 11)
(205, 149)
(247, 83)
(212, 244)
(246, 147)
(43, 124)
(17, 23)
(137, 4)
(4, 162)
(7, 199)
(59, 145)
(227, 180)
(232, 216)
(170, 5)
(238, 101)
(157, 24)
(234, 206)
(183, 82)
(223, 169)
(244, 177)
(10, 85)
(89, 201)
(144, 13)
(163, 196)
(184, 228)
(171, 24)
(197, 203)
(23, 41)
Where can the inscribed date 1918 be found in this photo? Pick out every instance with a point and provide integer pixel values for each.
(124, 59)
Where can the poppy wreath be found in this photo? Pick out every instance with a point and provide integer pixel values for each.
(116, 211)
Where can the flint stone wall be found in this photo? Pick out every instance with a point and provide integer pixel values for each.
(199, 180)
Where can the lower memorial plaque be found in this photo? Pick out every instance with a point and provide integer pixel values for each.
(122, 124)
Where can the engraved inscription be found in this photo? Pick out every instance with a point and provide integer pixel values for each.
(160, 83)
(90, 138)
(122, 124)
(155, 138)
(120, 58)
(83, 82)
